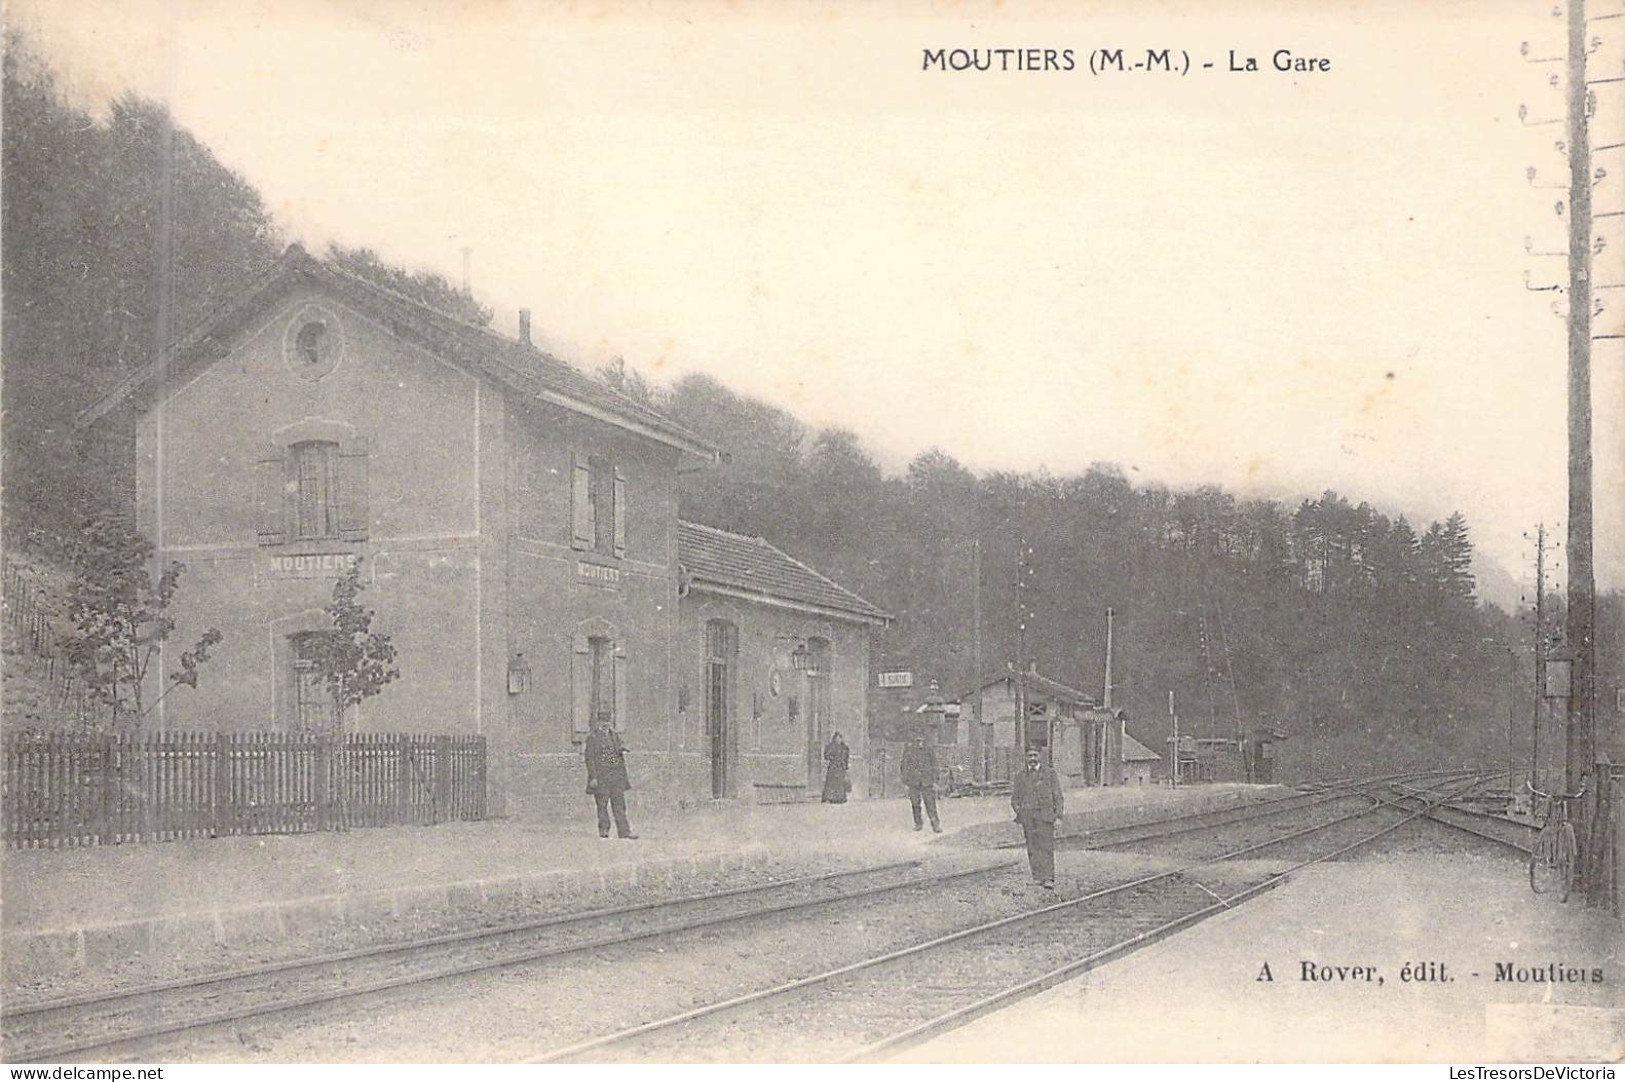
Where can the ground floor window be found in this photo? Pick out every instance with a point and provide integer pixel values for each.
(602, 707)
(312, 704)
(598, 683)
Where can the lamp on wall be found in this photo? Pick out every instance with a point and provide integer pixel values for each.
(518, 675)
(801, 658)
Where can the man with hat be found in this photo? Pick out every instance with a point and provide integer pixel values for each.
(920, 776)
(1035, 794)
(606, 777)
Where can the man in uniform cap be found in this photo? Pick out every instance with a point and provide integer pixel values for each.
(606, 777)
(1035, 794)
(920, 775)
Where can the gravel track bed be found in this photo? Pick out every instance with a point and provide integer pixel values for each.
(835, 1019)
(189, 1004)
(202, 958)
(521, 1011)
(1230, 837)
(1112, 817)
(1425, 837)
(1128, 836)
(1313, 846)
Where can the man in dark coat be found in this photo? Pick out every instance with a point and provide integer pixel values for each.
(1035, 794)
(606, 778)
(920, 775)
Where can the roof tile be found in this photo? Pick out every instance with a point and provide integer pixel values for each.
(750, 563)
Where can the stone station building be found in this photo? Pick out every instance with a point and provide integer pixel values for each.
(517, 528)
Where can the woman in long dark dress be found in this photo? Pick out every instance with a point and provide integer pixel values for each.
(837, 757)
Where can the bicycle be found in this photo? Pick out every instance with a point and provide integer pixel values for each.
(1556, 854)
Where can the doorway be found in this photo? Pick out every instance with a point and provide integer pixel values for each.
(721, 652)
(818, 727)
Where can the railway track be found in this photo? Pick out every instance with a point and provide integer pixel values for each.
(1505, 832)
(51, 1029)
(875, 1007)
(130, 1019)
(1158, 830)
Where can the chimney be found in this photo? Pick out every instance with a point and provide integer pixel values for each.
(524, 325)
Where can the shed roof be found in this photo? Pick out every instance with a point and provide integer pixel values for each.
(1136, 752)
(752, 568)
(517, 365)
(1053, 689)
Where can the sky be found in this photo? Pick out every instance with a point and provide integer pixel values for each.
(1276, 282)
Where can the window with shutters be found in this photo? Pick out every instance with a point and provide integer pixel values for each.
(599, 503)
(313, 488)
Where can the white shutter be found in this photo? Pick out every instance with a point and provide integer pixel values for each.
(271, 495)
(619, 497)
(353, 517)
(581, 503)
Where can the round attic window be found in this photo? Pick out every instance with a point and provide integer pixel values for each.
(313, 343)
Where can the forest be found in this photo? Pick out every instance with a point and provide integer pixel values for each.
(1352, 629)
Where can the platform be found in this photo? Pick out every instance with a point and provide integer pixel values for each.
(1200, 996)
(90, 908)
(71, 910)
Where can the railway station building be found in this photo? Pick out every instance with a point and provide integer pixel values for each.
(516, 524)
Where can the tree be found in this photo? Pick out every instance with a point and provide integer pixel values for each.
(121, 620)
(630, 382)
(120, 233)
(1455, 559)
(425, 287)
(353, 661)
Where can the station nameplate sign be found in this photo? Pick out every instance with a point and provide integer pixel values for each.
(896, 679)
(597, 574)
(311, 565)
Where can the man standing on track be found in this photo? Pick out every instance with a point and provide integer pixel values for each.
(1035, 794)
(920, 775)
(606, 777)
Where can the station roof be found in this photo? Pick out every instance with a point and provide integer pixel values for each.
(750, 568)
(517, 365)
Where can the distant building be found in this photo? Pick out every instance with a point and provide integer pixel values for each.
(1141, 765)
(1250, 758)
(1083, 739)
(516, 522)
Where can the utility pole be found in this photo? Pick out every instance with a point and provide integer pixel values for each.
(1540, 653)
(1580, 754)
(978, 734)
(1106, 704)
(1173, 774)
(1021, 646)
(1207, 671)
(1512, 710)
(1106, 694)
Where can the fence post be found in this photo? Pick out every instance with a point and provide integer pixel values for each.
(403, 773)
(323, 755)
(221, 771)
(442, 779)
(108, 805)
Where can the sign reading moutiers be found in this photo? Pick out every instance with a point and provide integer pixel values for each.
(310, 565)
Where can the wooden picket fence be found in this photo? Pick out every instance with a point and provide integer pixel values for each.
(73, 789)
